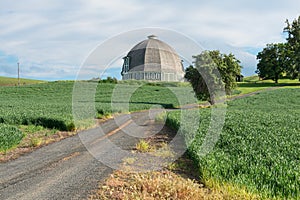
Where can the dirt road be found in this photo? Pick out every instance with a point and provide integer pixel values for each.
(66, 170)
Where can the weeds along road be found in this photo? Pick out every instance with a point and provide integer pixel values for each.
(66, 169)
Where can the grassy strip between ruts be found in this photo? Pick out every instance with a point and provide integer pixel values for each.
(258, 149)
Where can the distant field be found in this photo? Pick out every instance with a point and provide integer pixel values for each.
(6, 81)
(258, 150)
(255, 79)
(252, 84)
(50, 104)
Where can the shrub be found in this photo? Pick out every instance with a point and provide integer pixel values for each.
(143, 146)
(71, 127)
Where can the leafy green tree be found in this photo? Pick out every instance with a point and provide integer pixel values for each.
(197, 82)
(213, 73)
(293, 44)
(272, 61)
(230, 71)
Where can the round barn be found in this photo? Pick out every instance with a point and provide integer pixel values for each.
(152, 60)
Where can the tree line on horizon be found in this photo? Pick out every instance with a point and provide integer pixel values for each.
(282, 60)
(213, 74)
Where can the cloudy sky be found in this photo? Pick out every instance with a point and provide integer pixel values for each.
(53, 38)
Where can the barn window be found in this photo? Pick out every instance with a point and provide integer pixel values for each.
(126, 64)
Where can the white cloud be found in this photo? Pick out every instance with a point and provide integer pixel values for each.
(59, 34)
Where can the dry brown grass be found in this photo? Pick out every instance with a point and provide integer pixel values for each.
(179, 181)
(150, 186)
(158, 185)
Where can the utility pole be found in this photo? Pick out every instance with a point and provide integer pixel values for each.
(18, 74)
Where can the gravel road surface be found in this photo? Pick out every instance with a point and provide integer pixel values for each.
(66, 169)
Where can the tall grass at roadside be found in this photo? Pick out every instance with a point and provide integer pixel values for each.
(10, 136)
(258, 150)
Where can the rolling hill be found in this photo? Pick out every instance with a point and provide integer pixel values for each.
(8, 81)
